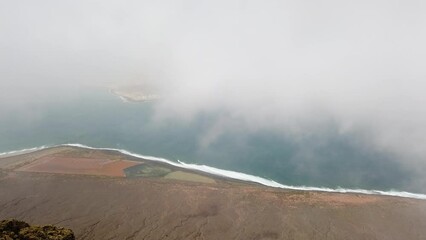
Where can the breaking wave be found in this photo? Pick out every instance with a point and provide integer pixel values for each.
(28, 150)
(231, 174)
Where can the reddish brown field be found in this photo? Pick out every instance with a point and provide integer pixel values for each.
(86, 166)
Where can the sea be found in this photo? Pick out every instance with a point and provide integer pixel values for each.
(93, 117)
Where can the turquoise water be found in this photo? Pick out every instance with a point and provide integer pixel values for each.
(324, 158)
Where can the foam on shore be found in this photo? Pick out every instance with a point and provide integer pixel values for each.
(231, 174)
(22, 151)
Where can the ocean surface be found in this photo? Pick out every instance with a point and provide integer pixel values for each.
(96, 118)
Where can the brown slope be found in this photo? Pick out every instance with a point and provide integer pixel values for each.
(151, 204)
(113, 208)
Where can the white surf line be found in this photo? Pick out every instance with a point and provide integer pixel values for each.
(235, 175)
(256, 179)
(22, 151)
(123, 99)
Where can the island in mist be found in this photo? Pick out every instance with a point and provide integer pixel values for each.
(227, 119)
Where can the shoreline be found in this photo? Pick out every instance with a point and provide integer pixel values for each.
(224, 173)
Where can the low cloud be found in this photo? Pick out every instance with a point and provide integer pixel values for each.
(287, 66)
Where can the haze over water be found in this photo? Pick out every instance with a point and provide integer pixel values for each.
(327, 93)
(96, 118)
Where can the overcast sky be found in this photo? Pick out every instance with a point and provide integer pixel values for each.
(283, 65)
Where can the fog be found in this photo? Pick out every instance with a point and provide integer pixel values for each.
(292, 67)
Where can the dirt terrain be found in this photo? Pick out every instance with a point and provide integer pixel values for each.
(78, 166)
(152, 206)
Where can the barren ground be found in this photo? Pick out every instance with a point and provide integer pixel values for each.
(155, 207)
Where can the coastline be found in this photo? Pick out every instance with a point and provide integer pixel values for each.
(105, 194)
(238, 176)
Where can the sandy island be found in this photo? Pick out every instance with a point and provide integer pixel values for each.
(135, 93)
(108, 195)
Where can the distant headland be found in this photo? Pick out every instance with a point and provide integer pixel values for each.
(135, 93)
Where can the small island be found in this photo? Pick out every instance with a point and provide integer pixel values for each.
(135, 93)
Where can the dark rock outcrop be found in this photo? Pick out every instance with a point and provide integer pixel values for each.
(18, 230)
